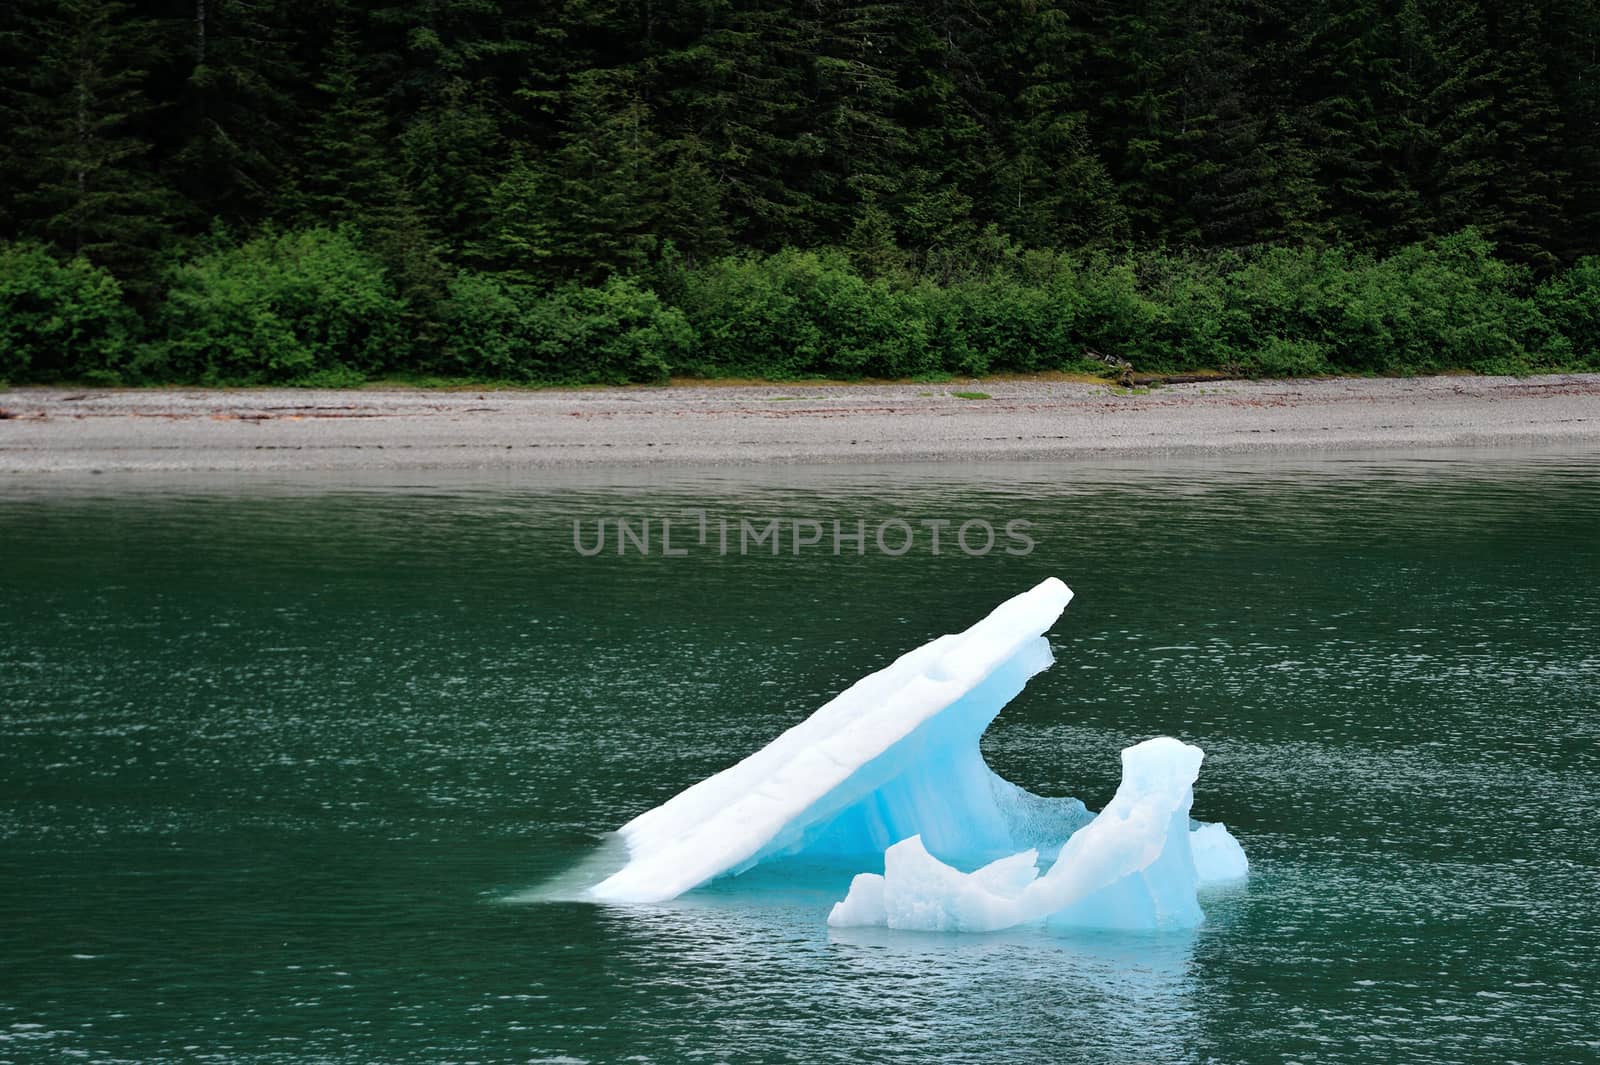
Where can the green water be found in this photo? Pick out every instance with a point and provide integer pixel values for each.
(279, 757)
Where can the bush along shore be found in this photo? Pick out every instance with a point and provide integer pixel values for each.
(318, 307)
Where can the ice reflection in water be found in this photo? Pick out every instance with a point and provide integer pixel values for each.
(757, 959)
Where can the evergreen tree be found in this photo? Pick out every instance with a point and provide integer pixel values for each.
(450, 153)
(690, 213)
(1499, 127)
(82, 168)
(15, 63)
(237, 108)
(1252, 178)
(948, 107)
(1052, 189)
(574, 140)
(1134, 56)
(1573, 61)
(351, 177)
(860, 145)
(603, 197)
(1366, 109)
(427, 49)
(347, 173)
(519, 238)
(739, 87)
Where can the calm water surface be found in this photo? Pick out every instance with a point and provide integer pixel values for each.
(279, 757)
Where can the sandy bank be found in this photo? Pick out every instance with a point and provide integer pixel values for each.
(52, 430)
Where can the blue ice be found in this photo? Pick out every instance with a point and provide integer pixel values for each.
(888, 775)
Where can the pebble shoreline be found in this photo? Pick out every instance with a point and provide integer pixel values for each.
(47, 430)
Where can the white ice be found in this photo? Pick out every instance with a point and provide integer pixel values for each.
(888, 775)
(1217, 855)
(1135, 866)
(894, 755)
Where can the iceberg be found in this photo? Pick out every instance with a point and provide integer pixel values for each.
(889, 774)
(1134, 866)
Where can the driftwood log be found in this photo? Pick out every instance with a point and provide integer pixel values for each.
(1123, 367)
(1128, 379)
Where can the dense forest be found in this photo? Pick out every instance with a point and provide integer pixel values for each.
(325, 191)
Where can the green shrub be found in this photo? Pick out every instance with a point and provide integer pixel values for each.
(1283, 357)
(808, 313)
(60, 320)
(277, 309)
(1450, 303)
(1009, 325)
(1116, 317)
(1435, 305)
(944, 336)
(1286, 303)
(315, 308)
(488, 330)
(616, 333)
(1570, 304)
(748, 322)
(1431, 306)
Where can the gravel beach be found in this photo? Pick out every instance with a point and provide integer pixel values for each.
(54, 430)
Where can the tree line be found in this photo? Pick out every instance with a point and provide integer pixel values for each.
(179, 173)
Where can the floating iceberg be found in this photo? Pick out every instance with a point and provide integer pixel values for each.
(889, 772)
(1133, 867)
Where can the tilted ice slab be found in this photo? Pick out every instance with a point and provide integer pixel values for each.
(890, 772)
(894, 755)
(1135, 866)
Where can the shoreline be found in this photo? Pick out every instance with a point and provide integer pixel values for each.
(55, 430)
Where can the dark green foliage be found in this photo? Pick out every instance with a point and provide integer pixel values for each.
(1370, 126)
(276, 310)
(60, 321)
(569, 142)
(519, 235)
(610, 334)
(600, 197)
(1570, 305)
(1430, 306)
(804, 313)
(884, 188)
(1499, 123)
(77, 123)
(236, 107)
(449, 156)
(347, 168)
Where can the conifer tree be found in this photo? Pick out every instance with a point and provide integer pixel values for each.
(739, 86)
(519, 239)
(1573, 27)
(603, 198)
(1251, 177)
(1052, 189)
(347, 173)
(351, 177)
(85, 184)
(947, 107)
(236, 107)
(1365, 106)
(450, 152)
(1499, 128)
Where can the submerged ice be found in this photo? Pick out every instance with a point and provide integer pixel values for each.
(888, 775)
